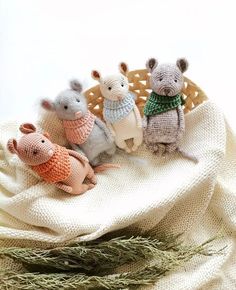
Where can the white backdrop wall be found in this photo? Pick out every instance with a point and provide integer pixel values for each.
(44, 43)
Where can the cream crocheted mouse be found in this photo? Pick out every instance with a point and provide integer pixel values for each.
(120, 111)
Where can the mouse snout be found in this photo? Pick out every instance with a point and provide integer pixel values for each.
(50, 152)
(78, 114)
(166, 91)
(120, 97)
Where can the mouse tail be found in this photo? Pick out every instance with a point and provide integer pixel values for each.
(188, 155)
(136, 160)
(104, 167)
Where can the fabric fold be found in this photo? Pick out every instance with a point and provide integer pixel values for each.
(172, 194)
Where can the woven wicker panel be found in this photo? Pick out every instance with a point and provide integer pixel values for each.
(139, 84)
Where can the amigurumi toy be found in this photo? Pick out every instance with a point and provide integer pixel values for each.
(66, 169)
(120, 112)
(83, 130)
(163, 121)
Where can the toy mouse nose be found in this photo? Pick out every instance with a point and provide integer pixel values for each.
(166, 91)
(119, 98)
(50, 152)
(78, 114)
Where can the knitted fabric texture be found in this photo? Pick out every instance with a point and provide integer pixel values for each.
(158, 104)
(58, 167)
(199, 201)
(162, 128)
(78, 131)
(115, 111)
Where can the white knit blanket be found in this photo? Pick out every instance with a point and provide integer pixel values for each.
(175, 193)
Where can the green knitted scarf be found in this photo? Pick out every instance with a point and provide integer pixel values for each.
(158, 104)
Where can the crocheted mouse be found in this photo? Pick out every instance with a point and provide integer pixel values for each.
(66, 169)
(82, 128)
(120, 112)
(163, 121)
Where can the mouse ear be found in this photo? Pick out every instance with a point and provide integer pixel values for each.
(27, 128)
(76, 86)
(96, 75)
(47, 135)
(151, 64)
(182, 64)
(12, 146)
(48, 105)
(123, 67)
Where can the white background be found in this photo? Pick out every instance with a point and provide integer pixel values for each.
(44, 43)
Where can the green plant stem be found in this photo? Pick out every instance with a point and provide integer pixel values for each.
(105, 255)
(71, 280)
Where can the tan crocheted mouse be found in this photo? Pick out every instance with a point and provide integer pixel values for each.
(66, 169)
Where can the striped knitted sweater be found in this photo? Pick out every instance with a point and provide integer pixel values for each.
(78, 131)
(115, 111)
(57, 168)
(157, 104)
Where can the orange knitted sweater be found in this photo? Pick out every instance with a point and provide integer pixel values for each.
(57, 168)
(77, 131)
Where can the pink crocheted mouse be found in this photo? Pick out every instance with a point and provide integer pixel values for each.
(66, 169)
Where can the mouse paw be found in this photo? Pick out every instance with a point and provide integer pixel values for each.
(90, 186)
(127, 149)
(134, 148)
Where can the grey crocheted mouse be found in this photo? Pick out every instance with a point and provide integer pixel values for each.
(83, 129)
(163, 121)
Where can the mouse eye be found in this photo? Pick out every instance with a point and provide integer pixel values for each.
(65, 107)
(35, 151)
(160, 79)
(175, 81)
(43, 141)
(109, 88)
(77, 100)
(122, 84)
